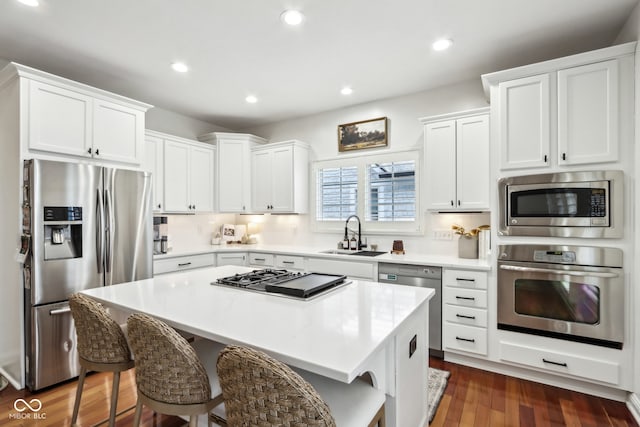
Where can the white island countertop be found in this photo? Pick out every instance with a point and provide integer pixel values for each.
(334, 335)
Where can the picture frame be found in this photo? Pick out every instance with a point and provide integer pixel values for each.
(363, 134)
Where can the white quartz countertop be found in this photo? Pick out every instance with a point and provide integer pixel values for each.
(316, 252)
(333, 335)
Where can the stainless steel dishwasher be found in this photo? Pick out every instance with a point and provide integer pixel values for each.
(425, 277)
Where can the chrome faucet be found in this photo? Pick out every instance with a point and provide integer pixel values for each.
(346, 230)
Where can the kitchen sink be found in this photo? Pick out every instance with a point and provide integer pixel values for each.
(348, 252)
(367, 253)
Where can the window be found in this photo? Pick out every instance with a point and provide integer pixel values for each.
(391, 191)
(382, 189)
(337, 193)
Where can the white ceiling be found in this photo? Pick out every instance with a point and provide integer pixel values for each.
(238, 47)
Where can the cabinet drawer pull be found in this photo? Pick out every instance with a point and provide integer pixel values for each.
(466, 339)
(184, 264)
(466, 298)
(461, 279)
(463, 316)
(288, 262)
(551, 362)
(260, 259)
(564, 156)
(545, 158)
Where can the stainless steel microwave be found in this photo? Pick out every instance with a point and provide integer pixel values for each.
(568, 204)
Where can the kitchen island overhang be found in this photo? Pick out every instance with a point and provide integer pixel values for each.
(361, 327)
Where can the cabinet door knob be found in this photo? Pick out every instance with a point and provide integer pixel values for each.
(97, 151)
(545, 158)
(458, 202)
(159, 205)
(564, 156)
(452, 203)
(89, 150)
(194, 207)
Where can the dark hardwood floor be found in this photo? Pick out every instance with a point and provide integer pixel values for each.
(472, 398)
(480, 398)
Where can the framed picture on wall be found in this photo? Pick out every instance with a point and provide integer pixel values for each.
(365, 134)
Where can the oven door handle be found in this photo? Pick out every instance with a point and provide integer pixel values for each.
(559, 272)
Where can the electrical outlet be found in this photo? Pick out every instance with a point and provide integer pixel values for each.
(442, 235)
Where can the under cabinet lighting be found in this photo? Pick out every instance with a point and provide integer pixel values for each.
(32, 3)
(180, 67)
(346, 90)
(442, 44)
(292, 17)
(251, 99)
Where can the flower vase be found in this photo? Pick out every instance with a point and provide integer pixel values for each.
(468, 247)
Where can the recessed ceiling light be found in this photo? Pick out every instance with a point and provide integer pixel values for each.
(180, 67)
(292, 17)
(32, 3)
(251, 99)
(346, 90)
(442, 44)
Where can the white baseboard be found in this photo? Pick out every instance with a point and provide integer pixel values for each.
(633, 403)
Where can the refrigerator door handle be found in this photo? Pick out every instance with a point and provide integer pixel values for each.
(60, 311)
(99, 231)
(108, 208)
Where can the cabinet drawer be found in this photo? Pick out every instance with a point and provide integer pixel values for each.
(231, 258)
(465, 315)
(289, 262)
(182, 263)
(466, 297)
(261, 259)
(564, 363)
(362, 270)
(465, 338)
(465, 279)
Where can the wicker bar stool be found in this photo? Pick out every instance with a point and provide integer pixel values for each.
(261, 391)
(169, 376)
(102, 347)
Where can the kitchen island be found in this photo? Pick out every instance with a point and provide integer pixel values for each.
(350, 330)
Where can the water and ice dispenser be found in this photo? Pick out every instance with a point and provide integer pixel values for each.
(62, 232)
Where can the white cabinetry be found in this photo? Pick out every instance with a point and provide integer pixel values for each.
(188, 176)
(568, 111)
(353, 269)
(261, 259)
(464, 300)
(233, 169)
(154, 162)
(72, 119)
(457, 161)
(280, 178)
(179, 263)
(231, 258)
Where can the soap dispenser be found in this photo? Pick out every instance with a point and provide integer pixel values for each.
(353, 243)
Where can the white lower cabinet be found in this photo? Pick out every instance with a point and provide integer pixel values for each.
(464, 301)
(354, 269)
(179, 263)
(231, 258)
(289, 262)
(261, 260)
(561, 363)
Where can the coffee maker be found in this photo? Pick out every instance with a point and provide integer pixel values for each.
(160, 226)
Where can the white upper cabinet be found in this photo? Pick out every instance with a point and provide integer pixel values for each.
(457, 161)
(567, 111)
(588, 113)
(154, 163)
(524, 122)
(188, 176)
(71, 119)
(280, 174)
(233, 169)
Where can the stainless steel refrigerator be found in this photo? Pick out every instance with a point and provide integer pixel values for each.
(86, 226)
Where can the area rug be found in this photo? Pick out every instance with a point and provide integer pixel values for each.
(437, 383)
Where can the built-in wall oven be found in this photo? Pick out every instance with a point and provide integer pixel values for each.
(568, 292)
(567, 204)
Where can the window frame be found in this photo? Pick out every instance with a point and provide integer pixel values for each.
(415, 227)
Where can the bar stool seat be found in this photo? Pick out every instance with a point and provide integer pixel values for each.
(170, 378)
(260, 390)
(102, 347)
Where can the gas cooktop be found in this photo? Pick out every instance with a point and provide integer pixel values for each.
(284, 282)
